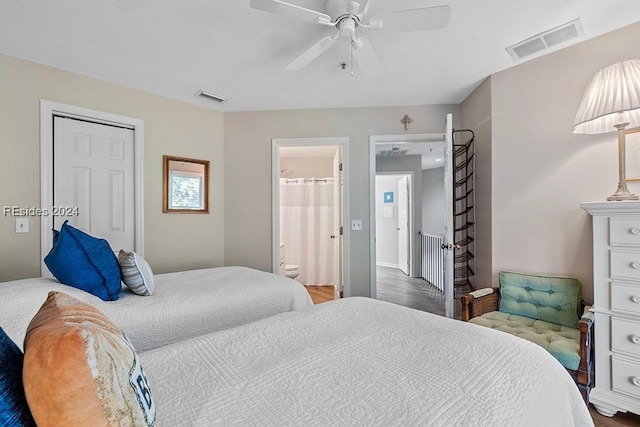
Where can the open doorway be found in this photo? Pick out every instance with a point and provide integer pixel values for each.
(308, 213)
(394, 226)
(408, 194)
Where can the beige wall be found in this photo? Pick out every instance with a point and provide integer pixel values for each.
(541, 170)
(172, 242)
(248, 172)
(306, 167)
(475, 114)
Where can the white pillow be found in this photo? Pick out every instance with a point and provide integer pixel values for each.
(136, 273)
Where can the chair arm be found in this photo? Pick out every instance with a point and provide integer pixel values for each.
(585, 325)
(473, 306)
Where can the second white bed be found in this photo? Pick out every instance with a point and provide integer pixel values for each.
(184, 305)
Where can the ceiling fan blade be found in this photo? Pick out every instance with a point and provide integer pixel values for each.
(290, 10)
(427, 18)
(312, 53)
(367, 58)
(364, 10)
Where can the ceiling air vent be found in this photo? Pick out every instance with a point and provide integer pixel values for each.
(216, 98)
(395, 151)
(546, 40)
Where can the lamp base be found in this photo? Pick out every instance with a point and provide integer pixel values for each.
(622, 194)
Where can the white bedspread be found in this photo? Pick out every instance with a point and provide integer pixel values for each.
(359, 361)
(184, 305)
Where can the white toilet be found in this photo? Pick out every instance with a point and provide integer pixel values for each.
(291, 271)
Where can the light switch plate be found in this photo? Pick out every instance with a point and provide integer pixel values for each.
(22, 225)
(356, 225)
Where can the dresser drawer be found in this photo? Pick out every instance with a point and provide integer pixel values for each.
(625, 298)
(625, 377)
(625, 264)
(624, 231)
(625, 336)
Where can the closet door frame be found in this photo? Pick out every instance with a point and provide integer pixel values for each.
(49, 110)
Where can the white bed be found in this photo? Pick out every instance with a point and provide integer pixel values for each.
(359, 361)
(184, 304)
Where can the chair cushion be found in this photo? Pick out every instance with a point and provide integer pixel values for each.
(548, 298)
(561, 341)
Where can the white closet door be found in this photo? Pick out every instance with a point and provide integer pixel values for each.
(93, 170)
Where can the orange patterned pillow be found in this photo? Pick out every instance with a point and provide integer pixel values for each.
(81, 370)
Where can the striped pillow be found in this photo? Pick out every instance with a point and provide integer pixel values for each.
(136, 273)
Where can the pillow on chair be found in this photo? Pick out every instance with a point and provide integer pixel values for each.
(13, 405)
(81, 370)
(552, 299)
(84, 262)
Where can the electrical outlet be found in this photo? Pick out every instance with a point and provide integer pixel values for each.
(356, 225)
(22, 225)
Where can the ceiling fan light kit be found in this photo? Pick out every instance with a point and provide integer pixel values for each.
(347, 18)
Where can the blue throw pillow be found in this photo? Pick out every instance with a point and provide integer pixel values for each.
(84, 262)
(14, 410)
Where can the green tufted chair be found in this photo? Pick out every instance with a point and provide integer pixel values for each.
(545, 310)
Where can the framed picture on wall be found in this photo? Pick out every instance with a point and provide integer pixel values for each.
(632, 154)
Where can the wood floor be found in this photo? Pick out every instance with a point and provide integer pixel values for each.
(626, 419)
(320, 294)
(396, 287)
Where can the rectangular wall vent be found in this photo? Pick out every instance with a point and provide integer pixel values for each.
(546, 40)
(216, 98)
(394, 152)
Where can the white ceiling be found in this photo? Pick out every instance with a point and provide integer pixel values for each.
(178, 48)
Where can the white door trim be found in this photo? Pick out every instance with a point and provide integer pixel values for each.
(373, 140)
(49, 109)
(276, 143)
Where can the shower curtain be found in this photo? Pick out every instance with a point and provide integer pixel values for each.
(306, 226)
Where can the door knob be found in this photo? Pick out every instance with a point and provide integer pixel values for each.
(333, 236)
(450, 246)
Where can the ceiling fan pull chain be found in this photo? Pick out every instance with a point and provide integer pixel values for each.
(351, 61)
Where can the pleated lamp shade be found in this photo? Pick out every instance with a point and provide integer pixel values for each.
(612, 97)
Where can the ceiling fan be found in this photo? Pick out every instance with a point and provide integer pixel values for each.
(347, 17)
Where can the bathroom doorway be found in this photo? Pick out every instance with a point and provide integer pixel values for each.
(308, 211)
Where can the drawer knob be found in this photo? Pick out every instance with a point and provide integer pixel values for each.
(635, 339)
(634, 230)
(635, 299)
(636, 381)
(635, 265)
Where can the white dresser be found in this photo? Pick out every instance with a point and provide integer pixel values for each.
(616, 294)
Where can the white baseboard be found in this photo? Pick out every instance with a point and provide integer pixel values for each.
(387, 264)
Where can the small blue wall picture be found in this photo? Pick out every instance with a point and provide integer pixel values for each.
(388, 197)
